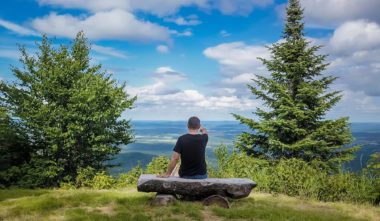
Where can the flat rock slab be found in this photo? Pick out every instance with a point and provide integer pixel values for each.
(229, 187)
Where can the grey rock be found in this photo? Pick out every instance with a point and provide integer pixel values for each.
(216, 200)
(229, 187)
(163, 199)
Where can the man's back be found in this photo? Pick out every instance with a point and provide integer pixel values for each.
(192, 148)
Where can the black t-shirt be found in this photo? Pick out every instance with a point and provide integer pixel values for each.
(192, 149)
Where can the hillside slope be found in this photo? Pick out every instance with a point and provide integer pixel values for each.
(128, 204)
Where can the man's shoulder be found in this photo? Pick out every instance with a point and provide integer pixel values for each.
(189, 136)
(183, 136)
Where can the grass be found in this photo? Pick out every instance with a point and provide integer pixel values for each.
(127, 204)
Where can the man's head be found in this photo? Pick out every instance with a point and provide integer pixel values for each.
(193, 123)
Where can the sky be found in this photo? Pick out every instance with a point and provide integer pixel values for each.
(195, 57)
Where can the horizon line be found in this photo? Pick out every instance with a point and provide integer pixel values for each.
(375, 122)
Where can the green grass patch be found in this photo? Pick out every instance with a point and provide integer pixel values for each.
(127, 204)
(263, 210)
(17, 193)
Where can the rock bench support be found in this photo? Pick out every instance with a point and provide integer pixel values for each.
(235, 188)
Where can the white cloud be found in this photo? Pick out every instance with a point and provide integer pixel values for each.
(109, 51)
(359, 71)
(185, 33)
(190, 20)
(168, 74)
(193, 99)
(355, 36)
(16, 28)
(224, 33)
(354, 50)
(241, 79)
(11, 53)
(163, 78)
(163, 49)
(237, 57)
(161, 7)
(163, 95)
(166, 98)
(92, 5)
(114, 24)
(358, 105)
(156, 7)
(164, 7)
(331, 13)
(242, 7)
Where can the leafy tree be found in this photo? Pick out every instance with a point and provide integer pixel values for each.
(14, 148)
(296, 96)
(70, 108)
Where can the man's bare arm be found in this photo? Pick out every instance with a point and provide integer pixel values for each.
(171, 166)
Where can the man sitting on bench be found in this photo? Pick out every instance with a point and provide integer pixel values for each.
(191, 148)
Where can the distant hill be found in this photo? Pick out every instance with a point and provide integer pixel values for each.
(155, 138)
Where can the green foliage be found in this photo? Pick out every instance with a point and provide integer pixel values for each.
(297, 97)
(374, 164)
(103, 181)
(295, 177)
(158, 165)
(36, 173)
(85, 177)
(14, 148)
(130, 178)
(346, 186)
(241, 165)
(89, 178)
(70, 109)
(221, 154)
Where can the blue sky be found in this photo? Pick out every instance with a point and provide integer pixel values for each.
(194, 57)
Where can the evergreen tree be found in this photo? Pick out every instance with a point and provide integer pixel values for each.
(70, 108)
(374, 163)
(297, 97)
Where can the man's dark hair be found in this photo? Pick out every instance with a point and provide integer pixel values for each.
(194, 123)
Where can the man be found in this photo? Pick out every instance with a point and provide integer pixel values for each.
(191, 149)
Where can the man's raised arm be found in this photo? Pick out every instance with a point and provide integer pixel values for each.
(203, 130)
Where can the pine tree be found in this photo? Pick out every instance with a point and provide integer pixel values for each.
(296, 97)
(374, 163)
(70, 108)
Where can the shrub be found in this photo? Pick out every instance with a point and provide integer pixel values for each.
(158, 165)
(352, 187)
(103, 181)
(241, 165)
(85, 177)
(296, 177)
(130, 178)
(36, 173)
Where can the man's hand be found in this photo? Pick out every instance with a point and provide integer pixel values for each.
(171, 166)
(163, 175)
(203, 130)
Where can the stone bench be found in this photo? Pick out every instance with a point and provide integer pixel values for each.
(211, 189)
